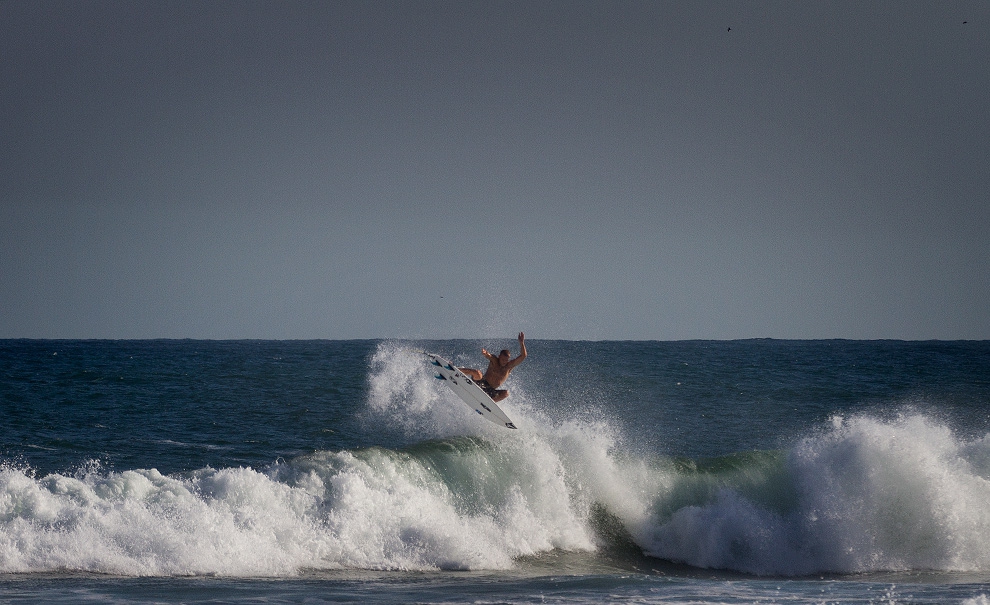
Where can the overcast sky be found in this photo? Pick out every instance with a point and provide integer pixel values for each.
(602, 170)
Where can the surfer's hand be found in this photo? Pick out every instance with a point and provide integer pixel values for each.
(522, 337)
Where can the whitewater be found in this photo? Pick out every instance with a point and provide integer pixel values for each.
(680, 471)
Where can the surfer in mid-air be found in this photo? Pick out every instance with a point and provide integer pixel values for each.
(498, 370)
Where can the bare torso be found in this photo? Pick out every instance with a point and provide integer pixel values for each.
(498, 369)
(496, 373)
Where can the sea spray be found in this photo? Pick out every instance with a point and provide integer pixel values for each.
(403, 396)
(871, 495)
(899, 494)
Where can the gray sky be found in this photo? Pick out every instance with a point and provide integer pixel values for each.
(605, 170)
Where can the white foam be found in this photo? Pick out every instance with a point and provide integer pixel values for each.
(232, 521)
(404, 395)
(872, 495)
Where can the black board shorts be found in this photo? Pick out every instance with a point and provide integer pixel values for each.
(487, 388)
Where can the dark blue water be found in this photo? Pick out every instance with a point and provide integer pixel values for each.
(341, 471)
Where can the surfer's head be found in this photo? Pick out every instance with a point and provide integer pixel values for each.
(503, 355)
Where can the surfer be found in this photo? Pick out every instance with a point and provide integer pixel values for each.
(498, 370)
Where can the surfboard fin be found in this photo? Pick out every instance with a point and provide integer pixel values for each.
(440, 377)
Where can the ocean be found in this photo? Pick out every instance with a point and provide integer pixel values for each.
(769, 471)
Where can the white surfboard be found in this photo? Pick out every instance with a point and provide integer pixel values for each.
(468, 391)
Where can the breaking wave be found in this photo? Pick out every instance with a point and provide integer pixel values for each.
(862, 494)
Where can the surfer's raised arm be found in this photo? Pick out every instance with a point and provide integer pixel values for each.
(522, 352)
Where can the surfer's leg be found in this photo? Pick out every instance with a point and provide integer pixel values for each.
(473, 374)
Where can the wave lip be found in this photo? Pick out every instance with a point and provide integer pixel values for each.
(871, 495)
